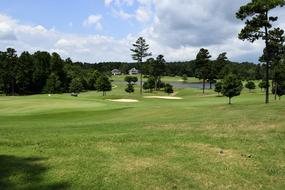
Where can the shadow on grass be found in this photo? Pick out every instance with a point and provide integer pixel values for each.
(25, 174)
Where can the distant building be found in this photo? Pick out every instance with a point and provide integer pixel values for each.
(116, 72)
(133, 71)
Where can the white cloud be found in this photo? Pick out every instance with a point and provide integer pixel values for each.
(176, 29)
(92, 48)
(142, 15)
(93, 20)
(119, 3)
(108, 2)
(122, 14)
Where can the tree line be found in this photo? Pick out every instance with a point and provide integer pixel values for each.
(42, 72)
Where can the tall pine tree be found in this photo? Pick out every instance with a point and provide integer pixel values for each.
(257, 25)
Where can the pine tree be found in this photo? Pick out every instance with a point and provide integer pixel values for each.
(140, 51)
(257, 26)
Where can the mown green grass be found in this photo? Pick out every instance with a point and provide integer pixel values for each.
(89, 142)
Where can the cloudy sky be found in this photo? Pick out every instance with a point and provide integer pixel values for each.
(104, 30)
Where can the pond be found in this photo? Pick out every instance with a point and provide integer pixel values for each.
(198, 85)
(191, 85)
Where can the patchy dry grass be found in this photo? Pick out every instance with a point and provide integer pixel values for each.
(198, 142)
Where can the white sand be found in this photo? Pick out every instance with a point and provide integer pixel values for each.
(124, 100)
(164, 97)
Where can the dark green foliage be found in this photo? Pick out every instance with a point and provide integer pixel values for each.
(168, 89)
(53, 84)
(103, 84)
(202, 69)
(262, 85)
(279, 89)
(28, 73)
(149, 84)
(130, 88)
(76, 85)
(156, 68)
(139, 52)
(91, 79)
(218, 87)
(232, 86)
(131, 79)
(250, 85)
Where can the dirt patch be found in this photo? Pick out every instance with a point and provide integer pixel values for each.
(163, 97)
(124, 100)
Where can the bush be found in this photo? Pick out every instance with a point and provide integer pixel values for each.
(168, 89)
(184, 78)
(130, 88)
(250, 85)
(219, 87)
(131, 79)
(149, 84)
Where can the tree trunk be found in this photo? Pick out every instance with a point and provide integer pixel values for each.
(13, 86)
(230, 101)
(275, 93)
(203, 86)
(141, 87)
(267, 62)
(210, 85)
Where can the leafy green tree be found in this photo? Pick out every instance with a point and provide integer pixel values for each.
(250, 86)
(131, 79)
(157, 69)
(279, 89)
(139, 52)
(279, 77)
(184, 78)
(220, 65)
(10, 66)
(276, 50)
(262, 85)
(91, 79)
(41, 70)
(219, 87)
(24, 75)
(257, 26)
(149, 84)
(103, 84)
(76, 85)
(168, 89)
(203, 66)
(53, 84)
(130, 88)
(232, 86)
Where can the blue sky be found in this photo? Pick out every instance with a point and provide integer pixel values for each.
(104, 30)
(67, 15)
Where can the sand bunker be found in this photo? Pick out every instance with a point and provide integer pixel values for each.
(124, 100)
(164, 97)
